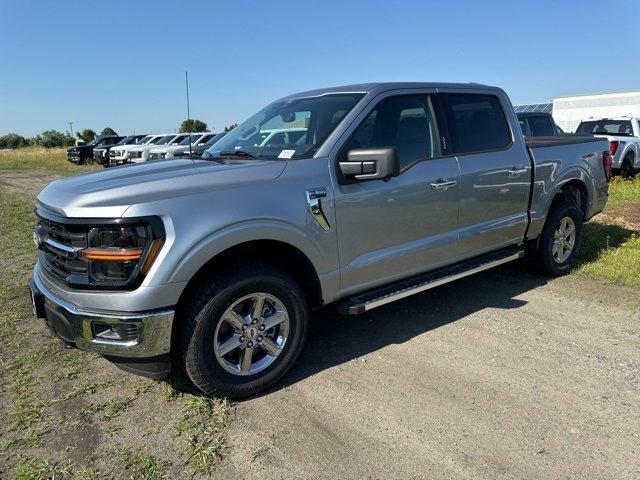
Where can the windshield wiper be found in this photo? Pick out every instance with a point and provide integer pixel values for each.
(239, 153)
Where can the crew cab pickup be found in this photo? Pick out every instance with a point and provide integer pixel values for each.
(394, 188)
(101, 154)
(623, 135)
(83, 154)
(538, 124)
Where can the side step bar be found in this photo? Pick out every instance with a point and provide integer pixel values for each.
(371, 299)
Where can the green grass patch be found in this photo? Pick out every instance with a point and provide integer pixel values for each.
(44, 159)
(610, 252)
(623, 191)
(201, 428)
(40, 468)
(143, 466)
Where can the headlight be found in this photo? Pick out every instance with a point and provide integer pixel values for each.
(119, 255)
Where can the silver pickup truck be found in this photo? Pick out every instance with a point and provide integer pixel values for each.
(393, 188)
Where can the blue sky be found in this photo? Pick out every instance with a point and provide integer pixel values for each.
(122, 63)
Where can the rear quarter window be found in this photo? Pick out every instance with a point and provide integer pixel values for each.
(477, 123)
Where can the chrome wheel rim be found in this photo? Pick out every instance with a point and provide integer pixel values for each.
(564, 239)
(251, 334)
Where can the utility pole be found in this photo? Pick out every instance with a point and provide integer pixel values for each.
(71, 128)
(186, 79)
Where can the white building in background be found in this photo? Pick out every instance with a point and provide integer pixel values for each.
(569, 111)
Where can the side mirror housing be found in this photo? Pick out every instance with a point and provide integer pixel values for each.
(371, 164)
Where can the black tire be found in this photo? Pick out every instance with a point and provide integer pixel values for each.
(540, 253)
(203, 312)
(627, 170)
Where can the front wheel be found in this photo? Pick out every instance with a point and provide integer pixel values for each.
(243, 331)
(555, 252)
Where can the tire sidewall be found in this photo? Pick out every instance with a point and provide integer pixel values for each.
(547, 240)
(201, 359)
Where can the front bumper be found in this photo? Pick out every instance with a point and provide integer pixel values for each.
(146, 334)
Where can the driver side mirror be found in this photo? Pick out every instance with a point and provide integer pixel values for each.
(371, 164)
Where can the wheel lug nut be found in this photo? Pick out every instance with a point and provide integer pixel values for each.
(259, 339)
(261, 328)
(241, 339)
(254, 322)
(250, 344)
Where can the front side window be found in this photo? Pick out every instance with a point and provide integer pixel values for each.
(314, 117)
(476, 122)
(606, 127)
(189, 139)
(404, 122)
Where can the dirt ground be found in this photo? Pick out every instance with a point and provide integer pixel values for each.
(500, 375)
(28, 182)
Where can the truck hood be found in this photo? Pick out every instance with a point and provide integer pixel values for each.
(109, 193)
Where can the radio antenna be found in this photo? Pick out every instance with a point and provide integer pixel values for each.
(186, 79)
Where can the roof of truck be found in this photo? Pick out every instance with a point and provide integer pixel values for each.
(383, 86)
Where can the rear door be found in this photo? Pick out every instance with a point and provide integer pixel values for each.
(392, 229)
(495, 171)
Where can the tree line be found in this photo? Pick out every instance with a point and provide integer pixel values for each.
(56, 138)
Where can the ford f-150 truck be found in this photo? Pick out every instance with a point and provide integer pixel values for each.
(394, 188)
(623, 135)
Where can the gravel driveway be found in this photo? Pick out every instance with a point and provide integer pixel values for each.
(500, 375)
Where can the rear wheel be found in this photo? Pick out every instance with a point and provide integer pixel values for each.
(627, 170)
(243, 331)
(555, 251)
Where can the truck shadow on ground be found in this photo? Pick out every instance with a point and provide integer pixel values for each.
(334, 339)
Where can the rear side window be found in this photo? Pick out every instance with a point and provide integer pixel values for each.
(404, 122)
(476, 122)
(541, 126)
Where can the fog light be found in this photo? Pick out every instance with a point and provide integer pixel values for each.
(122, 332)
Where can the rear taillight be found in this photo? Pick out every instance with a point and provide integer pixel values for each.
(607, 162)
(613, 147)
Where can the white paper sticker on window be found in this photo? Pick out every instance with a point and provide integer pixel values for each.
(286, 153)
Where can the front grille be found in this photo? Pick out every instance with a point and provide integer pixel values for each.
(115, 153)
(135, 154)
(156, 156)
(58, 246)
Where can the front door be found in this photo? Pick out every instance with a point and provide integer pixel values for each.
(408, 224)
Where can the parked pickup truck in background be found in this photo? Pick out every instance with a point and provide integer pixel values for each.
(140, 153)
(623, 135)
(83, 154)
(101, 154)
(166, 151)
(394, 188)
(197, 149)
(538, 124)
(120, 154)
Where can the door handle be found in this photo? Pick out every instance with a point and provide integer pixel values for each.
(517, 170)
(443, 184)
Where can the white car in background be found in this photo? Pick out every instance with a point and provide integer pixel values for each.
(623, 134)
(140, 153)
(169, 151)
(120, 154)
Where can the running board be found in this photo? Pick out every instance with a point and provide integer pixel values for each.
(371, 299)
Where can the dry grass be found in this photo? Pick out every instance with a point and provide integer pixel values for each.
(44, 159)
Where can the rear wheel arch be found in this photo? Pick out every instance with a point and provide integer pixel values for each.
(576, 192)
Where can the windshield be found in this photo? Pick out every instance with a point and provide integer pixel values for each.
(193, 137)
(606, 127)
(164, 140)
(143, 140)
(213, 140)
(126, 140)
(94, 141)
(289, 129)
